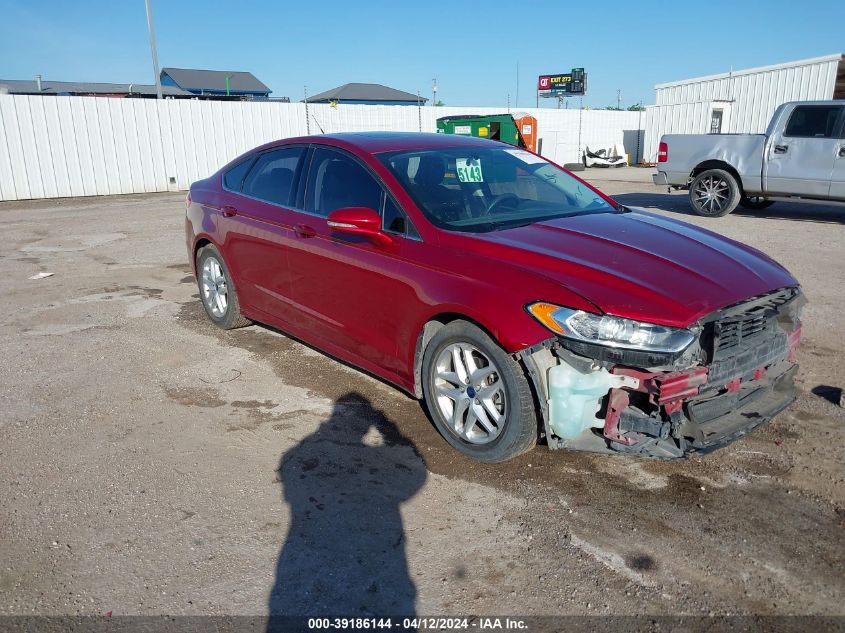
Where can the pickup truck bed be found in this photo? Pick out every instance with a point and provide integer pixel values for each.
(802, 154)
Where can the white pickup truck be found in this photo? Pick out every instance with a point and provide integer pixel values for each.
(801, 155)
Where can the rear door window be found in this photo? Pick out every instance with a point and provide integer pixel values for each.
(272, 177)
(813, 121)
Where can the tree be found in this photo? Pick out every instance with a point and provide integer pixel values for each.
(637, 107)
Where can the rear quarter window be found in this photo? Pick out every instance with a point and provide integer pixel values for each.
(234, 177)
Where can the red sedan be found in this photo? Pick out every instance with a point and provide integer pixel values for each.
(512, 297)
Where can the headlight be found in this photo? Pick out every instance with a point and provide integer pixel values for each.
(603, 329)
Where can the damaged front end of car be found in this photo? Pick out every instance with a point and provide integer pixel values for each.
(610, 385)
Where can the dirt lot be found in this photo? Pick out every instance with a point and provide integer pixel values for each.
(150, 463)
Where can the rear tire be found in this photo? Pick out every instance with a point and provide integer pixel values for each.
(477, 394)
(714, 193)
(755, 203)
(217, 290)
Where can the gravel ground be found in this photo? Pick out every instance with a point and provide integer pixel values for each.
(152, 464)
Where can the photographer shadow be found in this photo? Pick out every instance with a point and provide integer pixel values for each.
(344, 554)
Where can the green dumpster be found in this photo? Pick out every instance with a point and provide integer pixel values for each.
(498, 127)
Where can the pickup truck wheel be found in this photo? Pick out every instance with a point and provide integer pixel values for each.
(477, 395)
(755, 203)
(714, 193)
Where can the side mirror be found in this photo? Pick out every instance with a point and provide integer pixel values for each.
(359, 221)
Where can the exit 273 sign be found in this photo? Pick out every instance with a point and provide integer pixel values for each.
(571, 83)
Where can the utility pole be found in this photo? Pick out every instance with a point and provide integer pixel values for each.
(434, 91)
(307, 117)
(153, 49)
(618, 98)
(580, 115)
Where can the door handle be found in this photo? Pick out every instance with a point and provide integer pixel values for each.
(229, 211)
(781, 149)
(303, 230)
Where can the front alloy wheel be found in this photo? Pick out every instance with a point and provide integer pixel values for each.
(470, 393)
(477, 394)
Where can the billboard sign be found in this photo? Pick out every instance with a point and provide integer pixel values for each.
(563, 84)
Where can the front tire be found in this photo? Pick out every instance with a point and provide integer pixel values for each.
(714, 193)
(217, 291)
(477, 394)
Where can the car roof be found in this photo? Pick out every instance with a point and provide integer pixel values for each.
(378, 142)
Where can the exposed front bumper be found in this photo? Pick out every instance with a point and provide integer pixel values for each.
(717, 421)
(701, 422)
(743, 377)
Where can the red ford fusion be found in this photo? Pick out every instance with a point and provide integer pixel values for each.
(517, 301)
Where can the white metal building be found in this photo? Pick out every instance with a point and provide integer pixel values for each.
(739, 101)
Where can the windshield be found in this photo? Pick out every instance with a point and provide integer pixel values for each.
(481, 189)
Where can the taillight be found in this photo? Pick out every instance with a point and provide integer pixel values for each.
(662, 153)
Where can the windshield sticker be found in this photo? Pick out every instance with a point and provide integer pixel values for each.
(469, 169)
(525, 157)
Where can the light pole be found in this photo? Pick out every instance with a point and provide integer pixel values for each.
(434, 91)
(153, 49)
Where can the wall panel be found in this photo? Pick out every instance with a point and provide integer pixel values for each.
(82, 146)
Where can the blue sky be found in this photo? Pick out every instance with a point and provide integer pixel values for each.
(472, 48)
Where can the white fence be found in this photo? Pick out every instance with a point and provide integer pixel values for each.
(54, 147)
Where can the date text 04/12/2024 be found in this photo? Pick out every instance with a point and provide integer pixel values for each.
(417, 623)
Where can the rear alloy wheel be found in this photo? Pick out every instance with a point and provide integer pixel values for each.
(478, 395)
(217, 290)
(755, 203)
(714, 193)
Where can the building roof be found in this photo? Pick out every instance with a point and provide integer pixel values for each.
(365, 92)
(30, 87)
(196, 80)
(760, 69)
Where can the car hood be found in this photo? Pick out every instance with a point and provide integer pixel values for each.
(641, 265)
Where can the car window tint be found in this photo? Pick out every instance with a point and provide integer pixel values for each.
(272, 177)
(813, 121)
(234, 177)
(335, 181)
(394, 219)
